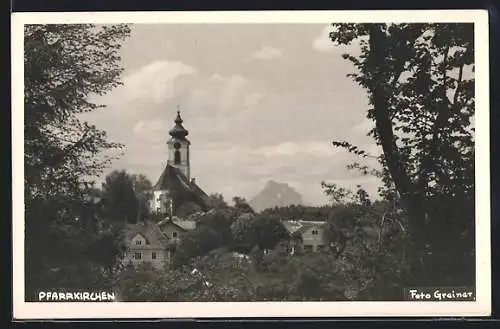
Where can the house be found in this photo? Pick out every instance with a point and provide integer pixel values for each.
(154, 243)
(174, 228)
(307, 236)
(175, 188)
(145, 242)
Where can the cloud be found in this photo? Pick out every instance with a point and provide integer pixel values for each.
(319, 149)
(148, 126)
(233, 154)
(218, 98)
(234, 169)
(363, 126)
(267, 53)
(155, 80)
(323, 42)
(217, 93)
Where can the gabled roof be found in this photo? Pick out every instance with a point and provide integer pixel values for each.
(174, 180)
(148, 230)
(301, 225)
(140, 234)
(186, 225)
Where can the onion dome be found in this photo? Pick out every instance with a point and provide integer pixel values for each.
(178, 131)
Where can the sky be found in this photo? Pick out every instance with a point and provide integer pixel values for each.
(260, 101)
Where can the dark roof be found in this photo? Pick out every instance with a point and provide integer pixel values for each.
(148, 230)
(178, 131)
(187, 225)
(173, 180)
(203, 198)
(183, 224)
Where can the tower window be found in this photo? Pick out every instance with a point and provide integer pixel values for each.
(177, 157)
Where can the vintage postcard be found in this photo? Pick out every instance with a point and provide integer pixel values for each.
(250, 164)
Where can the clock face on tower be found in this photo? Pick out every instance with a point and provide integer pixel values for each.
(177, 145)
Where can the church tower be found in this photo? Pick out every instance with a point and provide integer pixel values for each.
(178, 147)
(175, 187)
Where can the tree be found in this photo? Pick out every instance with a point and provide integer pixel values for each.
(220, 220)
(196, 243)
(241, 205)
(143, 189)
(217, 201)
(269, 231)
(370, 237)
(63, 65)
(419, 78)
(122, 204)
(243, 234)
(264, 232)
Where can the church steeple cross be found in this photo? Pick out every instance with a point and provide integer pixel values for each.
(178, 119)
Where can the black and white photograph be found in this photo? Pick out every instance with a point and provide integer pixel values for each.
(251, 164)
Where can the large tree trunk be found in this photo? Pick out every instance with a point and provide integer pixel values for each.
(380, 92)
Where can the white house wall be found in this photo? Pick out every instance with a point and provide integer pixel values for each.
(162, 257)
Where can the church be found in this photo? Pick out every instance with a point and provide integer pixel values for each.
(176, 188)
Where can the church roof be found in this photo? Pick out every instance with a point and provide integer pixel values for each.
(173, 180)
(200, 193)
(178, 131)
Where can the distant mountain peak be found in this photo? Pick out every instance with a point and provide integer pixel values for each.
(276, 194)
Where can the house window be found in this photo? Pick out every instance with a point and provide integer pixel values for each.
(315, 232)
(153, 255)
(174, 234)
(308, 247)
(138, 242)
(320, 248)
(137, 256)
(177, 157)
